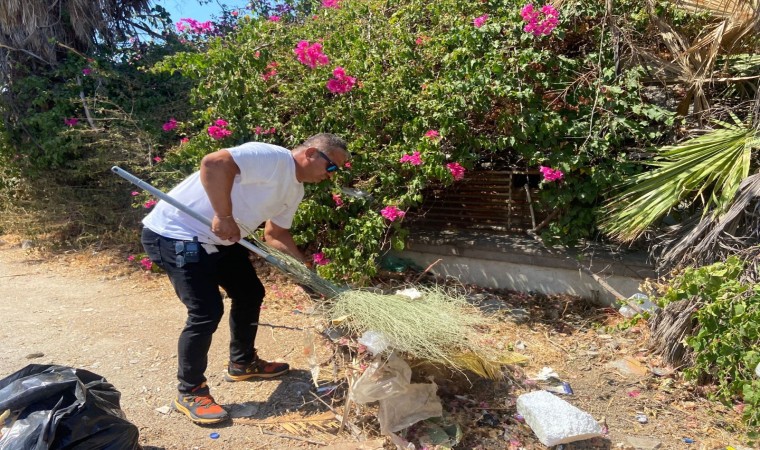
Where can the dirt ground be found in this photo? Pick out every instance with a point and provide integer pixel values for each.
(98, 312)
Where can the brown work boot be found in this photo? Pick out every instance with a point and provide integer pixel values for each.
(258, 368)
(200, 406)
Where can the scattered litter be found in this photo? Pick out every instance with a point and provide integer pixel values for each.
(310, 351)
(489, 420)
(555, 421)
(641, 418)
(563, 389)
(520, 345)
(164, 409)
(375, 341)
(382, 379)
(412, 293)
(634, 393)
(545, 374)
(333, 334)
(519, 418)
(628, 367)
(402, 403)
(688, 440)
(439, 433)
(329, 389)
(641, 301)
(214, 435)
(662, 372)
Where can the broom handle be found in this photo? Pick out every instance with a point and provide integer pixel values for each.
(194, 214)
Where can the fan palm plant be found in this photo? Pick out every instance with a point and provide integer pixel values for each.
(694, 65)
(706, 170)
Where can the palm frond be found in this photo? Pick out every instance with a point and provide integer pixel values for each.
(694, 64)
(707, 169)
(714, 237)
(725, 9)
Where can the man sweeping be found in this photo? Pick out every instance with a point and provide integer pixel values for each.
(241, 187)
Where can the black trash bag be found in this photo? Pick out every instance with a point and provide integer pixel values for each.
(48, 407)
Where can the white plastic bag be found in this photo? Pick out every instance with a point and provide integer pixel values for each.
(375, 341)
(382, 379)
(419, 402)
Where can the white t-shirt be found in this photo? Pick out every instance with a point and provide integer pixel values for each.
(265, 189)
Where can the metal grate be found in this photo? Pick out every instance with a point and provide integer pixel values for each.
(485, 200)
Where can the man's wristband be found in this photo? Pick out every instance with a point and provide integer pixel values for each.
(223, 217)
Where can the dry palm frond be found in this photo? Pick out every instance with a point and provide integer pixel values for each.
(717, 236)
(694, 64)
(727, 9)
(670, 327)
(439, 327)
(34, 27)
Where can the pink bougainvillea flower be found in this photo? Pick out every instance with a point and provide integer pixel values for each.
(194, 26)
(539, 22)
(221, 123)
(311, 54)
(551, 174)
(272, 71)
(432, 134)
(157, 159)
(413, 159)
(170, 125)
(131, 258)
(337, 199)
(320, 259)
(86, 71)
(274, 18)
(134, 193)
(347, 165)
(234, 13)
(217, 132)
(150, 203)
(262, 130)
(480, 21)
(71, 121)
(334, 4)
(184, 140)
(146, 263)
(457, 171)
(392, 213)
(340, 83)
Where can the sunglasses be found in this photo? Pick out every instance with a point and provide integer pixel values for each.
(331, 166)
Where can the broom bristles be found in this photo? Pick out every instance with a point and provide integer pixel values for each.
(439, 327)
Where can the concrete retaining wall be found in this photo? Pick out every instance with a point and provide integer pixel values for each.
(523, 264)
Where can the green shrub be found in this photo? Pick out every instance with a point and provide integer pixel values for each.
(727, 338)
(494, 93)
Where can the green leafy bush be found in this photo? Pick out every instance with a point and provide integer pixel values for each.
(727, 339)
(493, 93)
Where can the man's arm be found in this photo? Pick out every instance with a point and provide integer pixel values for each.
(218, 171)
(281, 239)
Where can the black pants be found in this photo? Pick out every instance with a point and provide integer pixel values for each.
(197, 286)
